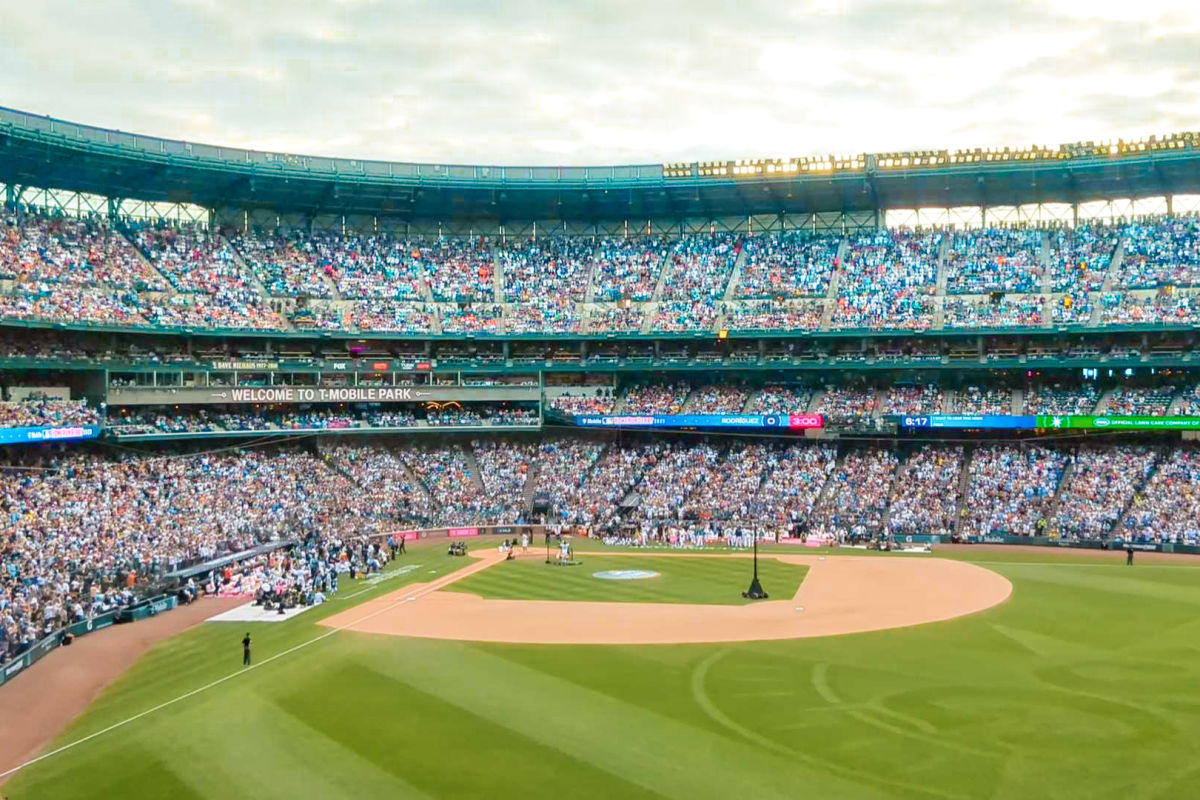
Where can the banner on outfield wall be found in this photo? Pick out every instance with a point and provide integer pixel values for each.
(1046, 422)
(768, 421)
(29, 435)
(460, 532)
(1118, 423)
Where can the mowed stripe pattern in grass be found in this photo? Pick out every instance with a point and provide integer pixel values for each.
(1081, 685)
(682, 579)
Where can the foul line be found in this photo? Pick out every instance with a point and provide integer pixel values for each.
(419, 593)
(407, 569)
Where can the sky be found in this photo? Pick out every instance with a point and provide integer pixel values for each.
(575, 82)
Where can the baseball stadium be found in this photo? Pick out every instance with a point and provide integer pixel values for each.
(867, 475)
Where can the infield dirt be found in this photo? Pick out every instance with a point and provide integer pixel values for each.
(840, 595)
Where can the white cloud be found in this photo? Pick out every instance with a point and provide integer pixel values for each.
(524, 82)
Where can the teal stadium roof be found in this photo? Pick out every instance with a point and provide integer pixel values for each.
(48, 153)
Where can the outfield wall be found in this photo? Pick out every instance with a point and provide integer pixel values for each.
(1046, 541)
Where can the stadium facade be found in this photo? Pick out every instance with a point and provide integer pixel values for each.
(703, 287)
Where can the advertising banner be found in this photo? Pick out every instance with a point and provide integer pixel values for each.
(776, 421)
(1118, 423)
(460, 532)
(133, 396)
(25, 435)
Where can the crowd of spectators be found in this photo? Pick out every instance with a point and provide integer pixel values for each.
(913, 400)
(1167, 508)
(197, 260)
(597, 499)
(384, 316)
(848, 405)
(671, 479)
(1080, 256)
(627, 269)
(655, 397)
(1168, 306)
(84, 534)
(457, 270)
(504, 468)
(1020, 311)
(700, 269)
(1080, 399)
(729, 491)
(47, 412)
(907, 309)
(772, 315)
(615, 318)
(1010, 490)
(1146, 401)
(682, 316)
(285, 418)
(563, 471)
(286, 265)
(789, 492)
(543, 313)
(792, 264)
(83, 269)
(775, 399)
(981, 400)
(40, 250)
(1099, 487)
(557, 267)
(585, 404)
(859, 489)
(717, 398)
(248, 311)
(479, 318)
(1072, 308)
(383, 476)
(995, 260)
(458, 499)
(1189, 403)
(74, 304)
(1165, 252)
(887, 281)
(925, 500)
(378, 267)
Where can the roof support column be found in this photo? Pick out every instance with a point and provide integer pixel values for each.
(1170, 204)
(1075, 215)
(10, 195)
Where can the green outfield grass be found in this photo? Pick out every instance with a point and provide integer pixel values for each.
(719, 581)
(1082, 685)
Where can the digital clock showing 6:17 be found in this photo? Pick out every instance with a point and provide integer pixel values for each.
(916, 422)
